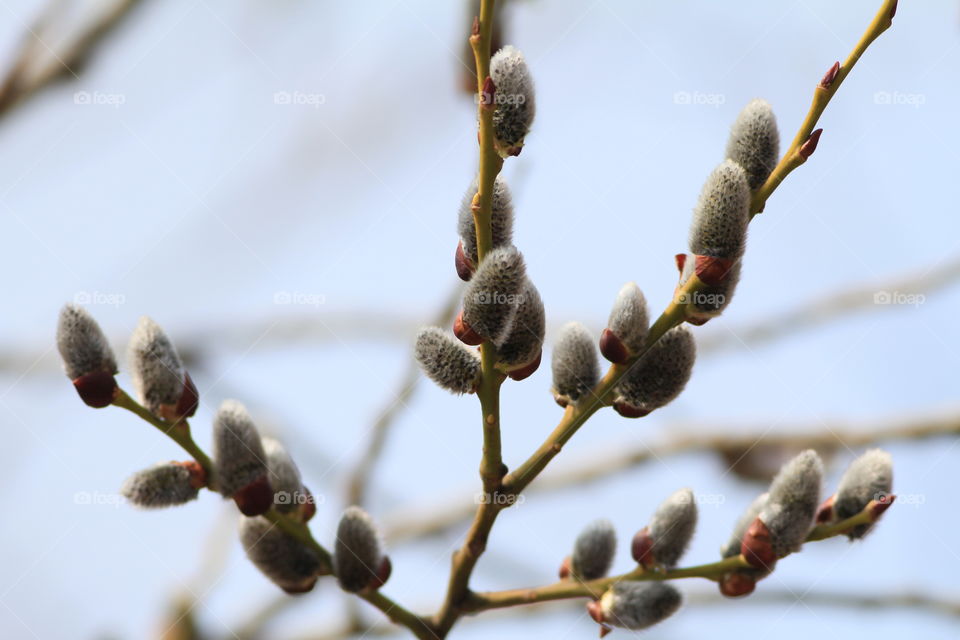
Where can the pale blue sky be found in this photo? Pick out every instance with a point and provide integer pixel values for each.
(199, 199)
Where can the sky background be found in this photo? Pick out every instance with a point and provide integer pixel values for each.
(295, 245)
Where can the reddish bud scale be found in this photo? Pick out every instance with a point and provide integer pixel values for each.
(198, 476)
(463, 264)
(383, 574)
(737, 584)
(830, 76)
(303, 587)
(488, 96)
(808, 147)
(595, 611)
(612, 347)
(189, 398)
(564, 571)
(309, 507)
(757, 547)
(465, 332)
(97, 389)
(825, 512)
(526, 370)
(712, 271)
(627, 410)
(256, 498)
(877, 507)
(641, 548)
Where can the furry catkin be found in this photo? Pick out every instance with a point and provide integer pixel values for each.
(732, 548)
(283, 559)
(157, 372)
(869, 477)
(576, 369)
(524, 342)
(285, 480)
(237, 450)
(163, 485)
(358, 553)
(639, 605)
(490, 300)
(82, 345)
(514, 101)
(660, 375)
(629, 319)
(711, 300)
(593, 551)
(448, 362)
(722, 214)
(792, 502)
(672, 527)
(501, 219)
(754, 142)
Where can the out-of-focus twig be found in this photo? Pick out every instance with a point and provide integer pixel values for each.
(359, 477)
(918, 601)
(412, 522)
(864, 297)
(38, 65)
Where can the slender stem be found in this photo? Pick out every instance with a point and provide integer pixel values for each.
(178, 431)
(567, 589)
(821, 98)
(418, 626)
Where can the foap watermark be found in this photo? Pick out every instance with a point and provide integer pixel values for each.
(497, 297)
(913, 499)
(899, 298)
(500, 499)
(299, 98)
(699, 98)
(297, 497)
(98, 498)
(100, 98)
(99, 298)
(915, 100)
(702, 299)
(501, 98)
(299, 298)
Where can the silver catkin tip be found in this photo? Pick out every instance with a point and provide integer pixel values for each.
(629, 319)
(163, 485)
(284, 476)
(283, 559)
(660, 375)
(237, 450)
(155, 367)
(491, 297)
(672, 527)
(639, 605)
(358, 552)
(576, 368)
(732, 548)
(593, 551)
(82, 345)
(722, 213)
(514, 99)
(447, 361)
(869, 477)
(501, 218)
(792, 503)
(524, 341)
(754, 142)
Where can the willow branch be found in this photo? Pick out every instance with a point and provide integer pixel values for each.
(411, 523)
(22, 81)
(800, 149)
(567, 589)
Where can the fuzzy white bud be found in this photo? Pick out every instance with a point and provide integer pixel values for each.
(722, 214)
(754, 142)
(514, 101)
(593, 551)
(576, 369)
(869, 477)
(447, 361)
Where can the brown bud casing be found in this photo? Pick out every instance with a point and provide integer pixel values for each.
(641, 548)
(627, 410)
(712, 271)
(465, 332)
(198, 476)
(808, 147)
(97, 389)
(757, 547)
(526, 370)
(564, 571)
(612, 347)
(737, 584)
(830, 76)
(825, 511)
(464, 265)
(256, 498)
(488, 97)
